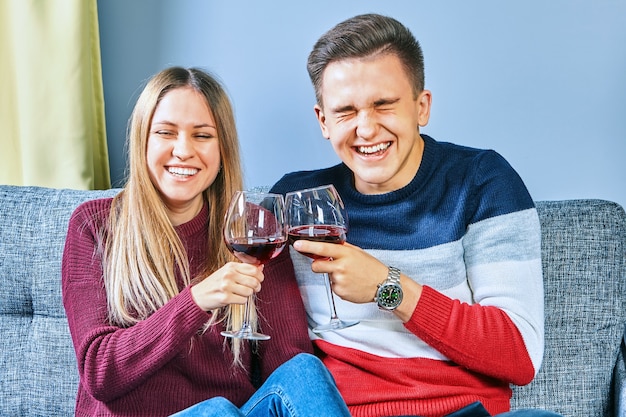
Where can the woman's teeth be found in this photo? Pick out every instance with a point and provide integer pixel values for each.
(185, 172)
(373, 149)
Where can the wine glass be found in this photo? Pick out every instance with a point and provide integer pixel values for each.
(318, 214)
(254, 232)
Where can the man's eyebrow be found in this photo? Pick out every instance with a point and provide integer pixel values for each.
(343, 109)
(386, 101)
(380, 102)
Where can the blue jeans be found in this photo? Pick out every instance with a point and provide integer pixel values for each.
(529, 413)
(477, 410)
(301, 387)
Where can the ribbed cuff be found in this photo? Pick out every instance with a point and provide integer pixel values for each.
(431, 315)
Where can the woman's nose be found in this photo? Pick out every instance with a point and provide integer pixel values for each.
(183, 148)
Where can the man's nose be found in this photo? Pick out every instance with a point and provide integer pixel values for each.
(366, 124)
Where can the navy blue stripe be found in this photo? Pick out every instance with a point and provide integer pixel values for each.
(455, 186)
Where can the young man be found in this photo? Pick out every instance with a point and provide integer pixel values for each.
(443, 264)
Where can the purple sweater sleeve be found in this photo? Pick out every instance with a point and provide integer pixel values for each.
(282, 315)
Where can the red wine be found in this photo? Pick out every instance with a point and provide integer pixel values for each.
(255, 250)
(317, 233)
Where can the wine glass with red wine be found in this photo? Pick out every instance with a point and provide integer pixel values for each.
(254, 231)
(318, 214)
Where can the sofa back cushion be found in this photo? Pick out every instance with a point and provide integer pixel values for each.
(584, 268)
(38, 374)
(583, 252)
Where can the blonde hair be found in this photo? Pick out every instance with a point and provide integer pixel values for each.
(143, 251)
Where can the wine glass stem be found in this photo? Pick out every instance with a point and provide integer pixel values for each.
(331, 298)
(246, 315)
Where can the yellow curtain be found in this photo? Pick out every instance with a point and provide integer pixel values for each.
(52, 122)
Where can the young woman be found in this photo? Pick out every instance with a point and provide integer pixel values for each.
(148, 284)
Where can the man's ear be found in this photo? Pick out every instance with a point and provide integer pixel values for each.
(424, 101)
(319, 113)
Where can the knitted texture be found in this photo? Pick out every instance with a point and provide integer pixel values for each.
(466, 228)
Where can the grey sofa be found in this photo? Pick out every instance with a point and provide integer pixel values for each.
(584, 251)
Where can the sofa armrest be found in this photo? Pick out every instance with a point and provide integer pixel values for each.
(584, 270)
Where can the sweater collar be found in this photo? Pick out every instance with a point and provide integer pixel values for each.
(195, 225)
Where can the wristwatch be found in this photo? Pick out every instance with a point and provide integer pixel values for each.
(389, 292)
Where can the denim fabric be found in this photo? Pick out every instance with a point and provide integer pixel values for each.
(477, 410)
(301, 387)
(529, 413)
(473, 410)
(217, 406)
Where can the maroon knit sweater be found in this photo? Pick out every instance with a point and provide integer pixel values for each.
(163, 364)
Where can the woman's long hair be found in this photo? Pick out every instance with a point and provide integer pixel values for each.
(143, 253)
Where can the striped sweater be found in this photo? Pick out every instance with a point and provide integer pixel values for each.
(466, 229)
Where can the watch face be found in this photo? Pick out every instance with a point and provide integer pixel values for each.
(390, 296)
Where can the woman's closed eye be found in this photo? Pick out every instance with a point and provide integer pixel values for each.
(165, 133)
(204, 135)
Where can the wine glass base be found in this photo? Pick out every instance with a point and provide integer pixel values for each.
(246, 334)
(334, 324)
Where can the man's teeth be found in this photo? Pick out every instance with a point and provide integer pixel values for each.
(182, 171)
(374, 149)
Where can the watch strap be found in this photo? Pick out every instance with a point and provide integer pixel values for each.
(393, 275)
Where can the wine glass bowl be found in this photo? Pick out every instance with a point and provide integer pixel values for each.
(317, 233)
(254, 232)
(318, 214)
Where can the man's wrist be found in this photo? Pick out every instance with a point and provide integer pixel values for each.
(389, 293)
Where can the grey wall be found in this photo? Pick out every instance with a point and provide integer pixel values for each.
(543, 83)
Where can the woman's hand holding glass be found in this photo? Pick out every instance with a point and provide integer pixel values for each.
(254, 231)
(231, 284)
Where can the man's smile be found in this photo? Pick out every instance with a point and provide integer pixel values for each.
(373, 150)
